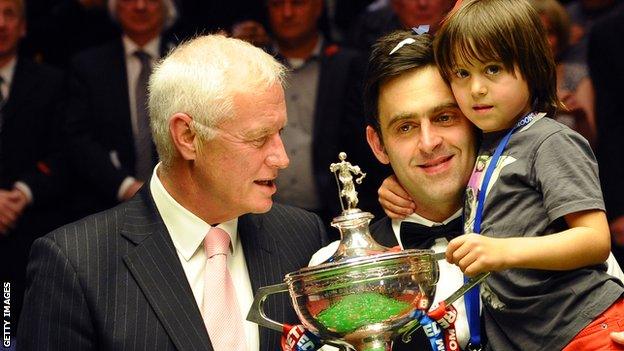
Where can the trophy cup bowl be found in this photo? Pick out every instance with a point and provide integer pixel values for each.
(359, 303)
(363, 296)
(363, 302)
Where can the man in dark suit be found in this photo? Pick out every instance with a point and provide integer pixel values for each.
(606, 69)
(324, 110)
(395, 15)
(175, 268)
(107, 119)
(31, 168)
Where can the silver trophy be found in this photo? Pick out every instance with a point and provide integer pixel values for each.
(365, 294)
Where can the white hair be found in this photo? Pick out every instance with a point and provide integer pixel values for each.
(200, 78)
(171, 12)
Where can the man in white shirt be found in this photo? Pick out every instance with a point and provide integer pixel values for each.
(107, 120)
(176, 266)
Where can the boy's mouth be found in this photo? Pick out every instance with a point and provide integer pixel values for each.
(479, 108)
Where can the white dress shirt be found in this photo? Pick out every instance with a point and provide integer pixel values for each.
(187, 233)
(451, 277)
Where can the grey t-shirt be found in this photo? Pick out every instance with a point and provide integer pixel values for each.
(546, 172)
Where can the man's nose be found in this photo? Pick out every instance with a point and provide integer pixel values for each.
(288, 9)
(277, 157)
(430, 139)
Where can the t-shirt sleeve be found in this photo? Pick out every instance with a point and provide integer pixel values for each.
(566, 172)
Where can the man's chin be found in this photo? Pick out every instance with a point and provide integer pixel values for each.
(262, 207)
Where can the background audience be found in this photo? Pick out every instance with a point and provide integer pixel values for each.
(32, 173)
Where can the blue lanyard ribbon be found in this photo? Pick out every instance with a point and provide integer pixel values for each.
(471, 298)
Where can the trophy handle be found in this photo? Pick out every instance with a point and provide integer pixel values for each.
(256, 312)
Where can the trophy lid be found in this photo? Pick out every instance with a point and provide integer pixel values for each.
(356, 240)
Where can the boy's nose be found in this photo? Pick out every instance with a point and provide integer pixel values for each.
(477, 87)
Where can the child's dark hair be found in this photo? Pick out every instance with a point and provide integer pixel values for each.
(383, 66)
(507, 31)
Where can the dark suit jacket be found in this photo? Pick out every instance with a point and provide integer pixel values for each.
(99, 124)
(30, 139)
(606, 68)
(113, 281)
(339, 126)
(30, 152)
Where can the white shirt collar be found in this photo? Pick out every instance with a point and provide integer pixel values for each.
(7, 71)
(152, 47)
(186, 229)
(415, 218)
(296, 63)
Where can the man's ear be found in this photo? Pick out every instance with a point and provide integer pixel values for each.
(375, 143)
(183, 136)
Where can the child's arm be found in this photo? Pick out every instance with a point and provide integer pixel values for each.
(587, 242)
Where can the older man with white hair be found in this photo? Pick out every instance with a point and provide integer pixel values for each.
(107, 119)
(176, 267)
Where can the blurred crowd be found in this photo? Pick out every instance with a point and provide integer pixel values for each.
(74, 130)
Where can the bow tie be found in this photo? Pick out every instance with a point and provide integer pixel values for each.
(418, 236)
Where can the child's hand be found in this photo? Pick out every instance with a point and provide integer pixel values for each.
(475, 253)
(395, 201)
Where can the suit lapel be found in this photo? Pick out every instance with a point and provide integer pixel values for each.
(156, 268)
(264, 266)
(382, 232)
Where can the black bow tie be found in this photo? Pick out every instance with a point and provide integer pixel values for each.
(418, 236)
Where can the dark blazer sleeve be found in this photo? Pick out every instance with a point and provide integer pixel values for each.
(56, 316)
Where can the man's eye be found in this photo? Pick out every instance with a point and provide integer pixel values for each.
(405, 128)
(444, 118)
(258, 142)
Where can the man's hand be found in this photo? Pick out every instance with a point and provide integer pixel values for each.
(396, 202)
(12, 204)
(475, 253)
(132, 189)
(617, 230)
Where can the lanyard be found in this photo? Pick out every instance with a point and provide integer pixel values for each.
(472, 297)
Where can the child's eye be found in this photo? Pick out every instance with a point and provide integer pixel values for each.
(492, 69)
(461, 73)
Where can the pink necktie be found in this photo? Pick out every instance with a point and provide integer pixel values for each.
(220, 310)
